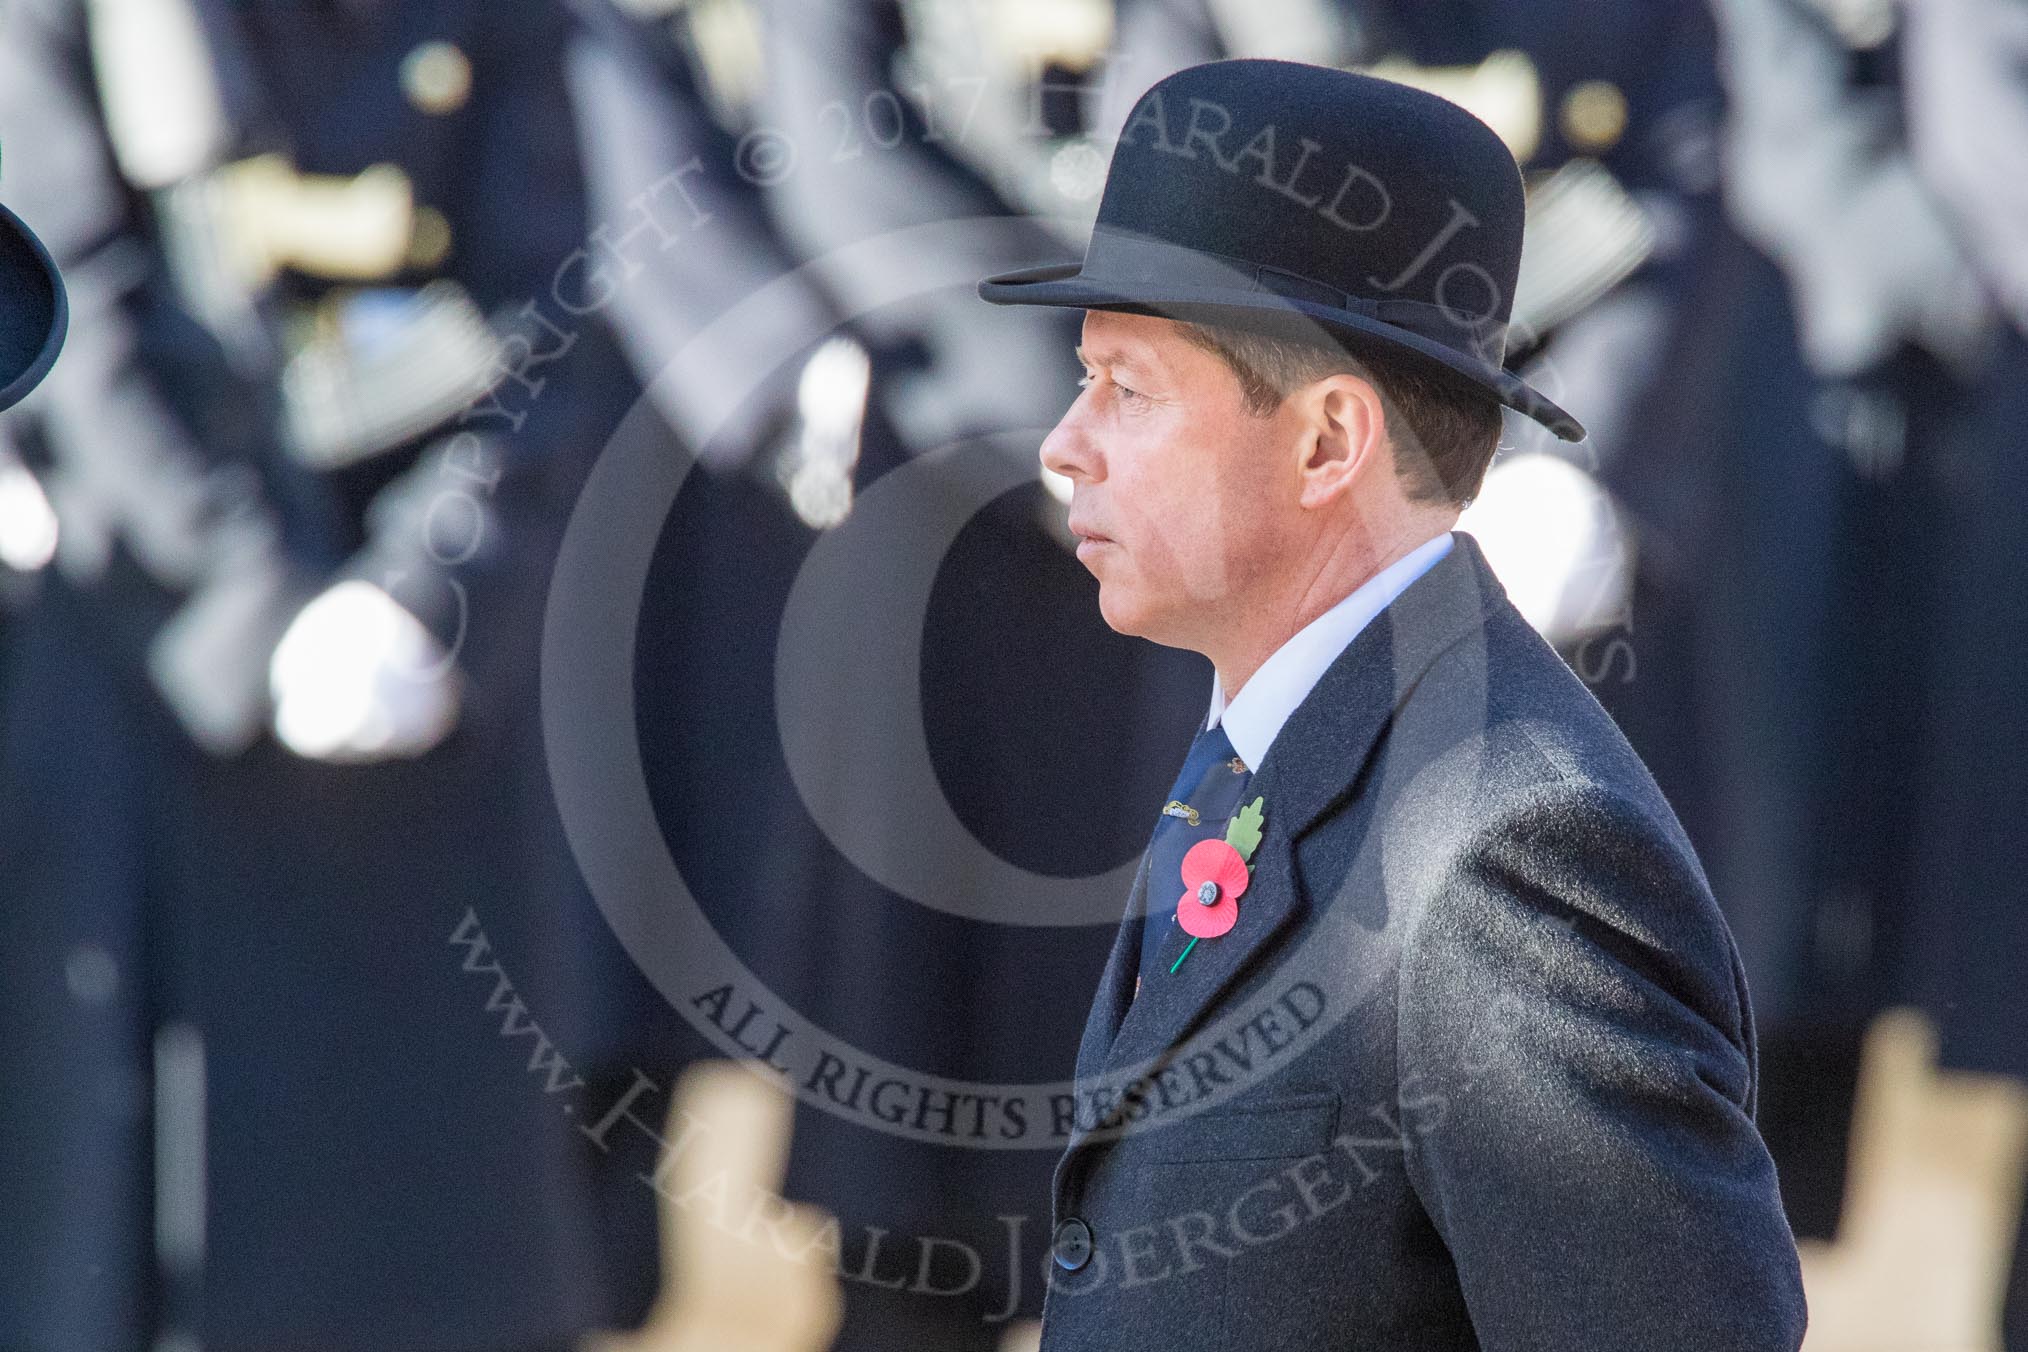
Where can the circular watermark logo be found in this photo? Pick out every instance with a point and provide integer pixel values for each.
(848, 670)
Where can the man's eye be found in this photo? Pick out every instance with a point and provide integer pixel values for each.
(1088, 379)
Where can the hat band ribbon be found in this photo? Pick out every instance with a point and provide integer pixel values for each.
(1129, 262)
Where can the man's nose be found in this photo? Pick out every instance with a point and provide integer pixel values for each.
(1068, 449)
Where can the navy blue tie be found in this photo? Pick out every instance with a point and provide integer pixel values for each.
(1206, 795)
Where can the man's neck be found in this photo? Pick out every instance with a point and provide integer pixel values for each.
(1344, 570)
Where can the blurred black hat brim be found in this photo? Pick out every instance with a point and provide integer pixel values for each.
(34, 313)
(1065, 285)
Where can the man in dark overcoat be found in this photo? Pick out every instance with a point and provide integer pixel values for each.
(1423, 1029)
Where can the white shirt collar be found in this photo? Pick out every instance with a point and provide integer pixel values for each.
(1284, 681)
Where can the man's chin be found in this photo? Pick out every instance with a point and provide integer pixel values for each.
(1122, 611)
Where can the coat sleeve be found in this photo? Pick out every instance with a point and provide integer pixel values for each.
(899, 227)
(1966, 102)
(649, 136)
(1818, 174)
(1572, 1008)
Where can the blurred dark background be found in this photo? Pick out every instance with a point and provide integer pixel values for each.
(361, 293)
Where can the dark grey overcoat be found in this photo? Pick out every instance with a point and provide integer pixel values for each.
(1475, 1067)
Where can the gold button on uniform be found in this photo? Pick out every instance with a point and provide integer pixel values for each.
(1594, 116)
(437, 78)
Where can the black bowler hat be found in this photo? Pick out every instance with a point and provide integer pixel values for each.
(1311, 203)
(33, 312)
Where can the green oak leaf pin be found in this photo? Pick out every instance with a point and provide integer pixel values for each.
(1243, 831)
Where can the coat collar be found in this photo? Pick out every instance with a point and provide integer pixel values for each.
(1256, 714)
(1316, 762)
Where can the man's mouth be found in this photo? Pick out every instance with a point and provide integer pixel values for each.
(1092, 548)
(1090, 542)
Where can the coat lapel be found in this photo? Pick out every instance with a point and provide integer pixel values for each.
(1116, 986)
(1172, 1003)
(1319, 758)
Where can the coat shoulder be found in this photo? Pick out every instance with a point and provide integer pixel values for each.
(1530, 793)
(1535, 731)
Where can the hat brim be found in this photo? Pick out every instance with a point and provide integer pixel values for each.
(1064, 285)
(34, 312)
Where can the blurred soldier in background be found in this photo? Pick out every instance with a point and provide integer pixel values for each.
(661, 163)
(275, 534)
(267, 739)
(804, 134)
(1875, 153)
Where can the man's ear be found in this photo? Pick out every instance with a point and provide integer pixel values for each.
(1344, 437)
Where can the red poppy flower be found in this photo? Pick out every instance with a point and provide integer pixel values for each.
(1213, 869)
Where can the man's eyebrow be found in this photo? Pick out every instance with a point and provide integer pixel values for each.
(1109, 359)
